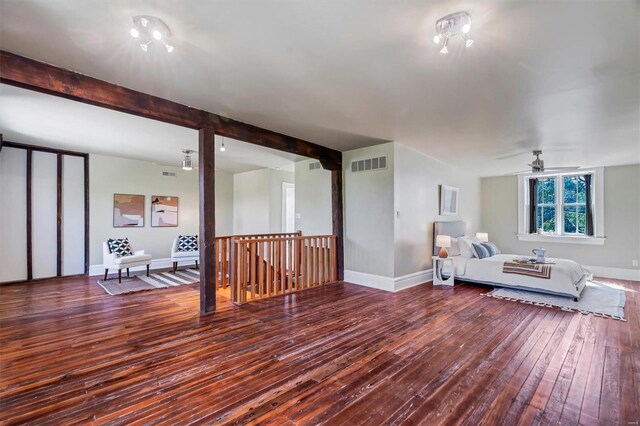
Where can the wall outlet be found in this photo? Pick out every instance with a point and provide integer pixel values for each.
(634, 262)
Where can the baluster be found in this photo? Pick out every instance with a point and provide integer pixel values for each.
(252, 273)
(308, 268)
(284, 271)
(270, 269)
(296, 261)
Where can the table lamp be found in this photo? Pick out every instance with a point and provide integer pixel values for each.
(482, 236)
(443, 241)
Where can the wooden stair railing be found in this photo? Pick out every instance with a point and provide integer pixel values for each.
(266, 267)
(224, 248)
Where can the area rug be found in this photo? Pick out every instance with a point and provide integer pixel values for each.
(598, 298)
(152, 282)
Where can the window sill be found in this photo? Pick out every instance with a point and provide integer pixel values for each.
(564, 239)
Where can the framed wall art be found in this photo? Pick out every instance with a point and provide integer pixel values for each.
(128, 211)
(449, 200)
(164, 211)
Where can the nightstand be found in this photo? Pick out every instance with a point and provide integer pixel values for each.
(438, 263)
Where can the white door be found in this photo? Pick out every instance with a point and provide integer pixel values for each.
(288, 207)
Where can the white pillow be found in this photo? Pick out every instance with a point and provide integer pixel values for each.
(472, 241)
(466, 249)
(454, 250)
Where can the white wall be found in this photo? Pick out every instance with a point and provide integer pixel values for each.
(276, 179)
(389, 214)
(313, 199)
(13, 214)
(621, 215)
(224, 203)
(368, 213)
(257, 201)
(251, 202)
(417, 180)
(111, 175)
(72, 215)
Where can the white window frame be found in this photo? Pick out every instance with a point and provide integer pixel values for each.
(597, 207)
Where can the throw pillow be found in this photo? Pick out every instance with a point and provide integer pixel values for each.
(481, 251)
(464, 243)
(188, 243)
(454, 250)
(119, 246)
(493, 249)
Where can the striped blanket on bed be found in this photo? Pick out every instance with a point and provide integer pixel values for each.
(530, 270)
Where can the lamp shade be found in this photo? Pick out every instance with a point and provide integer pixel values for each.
(443, 241)
(482, 236)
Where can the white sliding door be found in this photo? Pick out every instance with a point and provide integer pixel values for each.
(44, 222)
(13, 214)
(73, 215)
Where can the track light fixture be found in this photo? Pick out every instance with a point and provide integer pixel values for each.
(454, 24)
(148, 28)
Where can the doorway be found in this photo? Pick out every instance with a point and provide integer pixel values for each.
(288, 207)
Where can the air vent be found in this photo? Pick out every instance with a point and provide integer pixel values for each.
(169, 174)
(376, 163)
(315, 166)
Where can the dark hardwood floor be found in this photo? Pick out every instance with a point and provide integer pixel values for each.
(341, 354)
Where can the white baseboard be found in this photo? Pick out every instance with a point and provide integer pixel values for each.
(412, 280)
(615, 273)
(388, 283)
(369, 280)
(155, 264)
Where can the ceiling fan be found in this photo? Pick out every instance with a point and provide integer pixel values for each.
(187, 162)
(537, 166)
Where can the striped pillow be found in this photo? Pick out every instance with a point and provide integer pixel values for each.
(493, 249)
(481, 251)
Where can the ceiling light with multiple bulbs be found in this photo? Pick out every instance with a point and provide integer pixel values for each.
(452, 25)
(147, 28)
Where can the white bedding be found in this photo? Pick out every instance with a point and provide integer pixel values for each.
(567, 278)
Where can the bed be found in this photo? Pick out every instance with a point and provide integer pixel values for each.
(562, 277)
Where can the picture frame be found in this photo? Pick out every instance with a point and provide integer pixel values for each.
(164, 211)
(449, 200)
(128, 211)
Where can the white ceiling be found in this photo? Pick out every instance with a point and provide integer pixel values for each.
(38, 119)
(558, 75)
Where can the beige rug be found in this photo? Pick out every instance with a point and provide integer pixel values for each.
(152, 282)
(598, 298)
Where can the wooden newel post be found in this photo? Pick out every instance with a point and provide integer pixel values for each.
(208, 259)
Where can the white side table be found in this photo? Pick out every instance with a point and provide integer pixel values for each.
(438, 263)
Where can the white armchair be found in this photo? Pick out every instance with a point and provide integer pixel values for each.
(183, 256)
(111, 261)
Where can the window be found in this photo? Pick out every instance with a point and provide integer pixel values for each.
(566, 207)
(546, 206)
(574, 205)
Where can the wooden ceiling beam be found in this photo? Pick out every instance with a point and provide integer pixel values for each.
(28, 73)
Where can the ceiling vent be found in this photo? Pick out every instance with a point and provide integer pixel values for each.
(169, 174)
(369, 164)
(315, 166)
